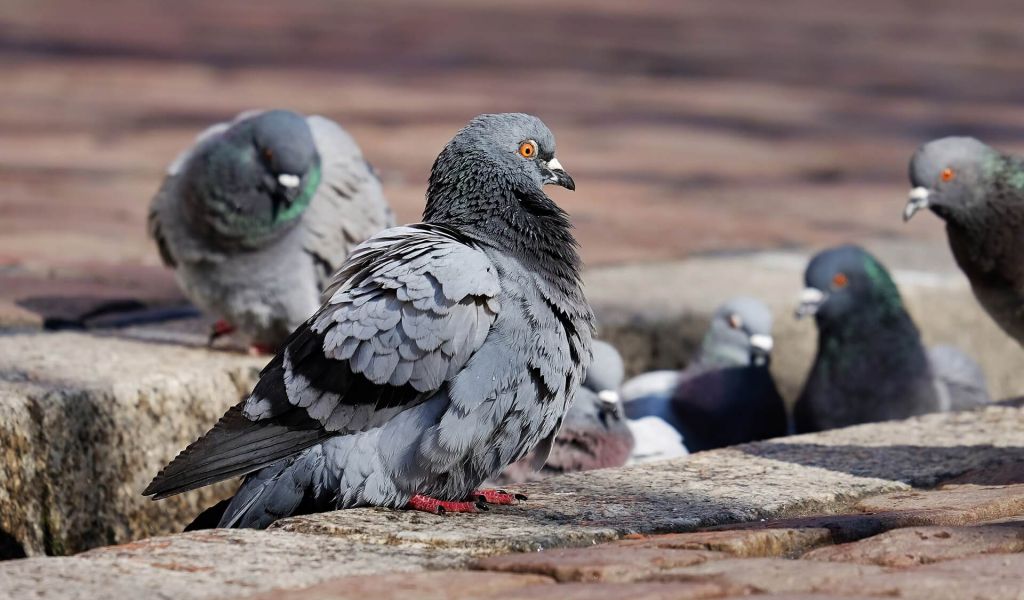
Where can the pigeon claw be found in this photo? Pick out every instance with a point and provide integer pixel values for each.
(497, 497)
(439, 507)
(219, 329)
(261, 349)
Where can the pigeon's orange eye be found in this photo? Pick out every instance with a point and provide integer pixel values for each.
(839, 280)
(947, 174)
(735, 321)
(528, 149)
(268, 154)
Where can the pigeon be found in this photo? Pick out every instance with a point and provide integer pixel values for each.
(445, 351)
(727, 395)
(594, 433)
(979, 193)
(871, 364)
(257, 216)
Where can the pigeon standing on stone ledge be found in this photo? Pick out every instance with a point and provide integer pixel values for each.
(979, 193)
(594, 434)
(445, 351)
(871, 364)
(727, 395)
(256, 217)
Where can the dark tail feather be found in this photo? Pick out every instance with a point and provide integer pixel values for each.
(236, 446)
(209, 518)
(281, 490)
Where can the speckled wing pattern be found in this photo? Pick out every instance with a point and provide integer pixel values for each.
(402, 317)
(349, 205)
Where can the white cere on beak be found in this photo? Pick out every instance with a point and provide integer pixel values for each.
(762, 342)
(810, 300)
(554, 165)
(919, 194)
(811, 296)
(916, 200)
(288, 180)
(608, 396)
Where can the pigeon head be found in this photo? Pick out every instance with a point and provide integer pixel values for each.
(846, 283)
(604, 377)
(740, 334)
(950, 176)
(253, 180)
(495, 165)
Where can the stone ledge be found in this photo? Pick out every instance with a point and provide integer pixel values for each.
(86, 421)
(870, 467)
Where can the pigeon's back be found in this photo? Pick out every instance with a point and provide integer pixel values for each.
(728, 406)
(959, 381)
(349, 206)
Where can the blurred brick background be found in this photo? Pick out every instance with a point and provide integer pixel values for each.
(690, 127)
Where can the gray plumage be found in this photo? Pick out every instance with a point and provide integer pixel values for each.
(979, 193)
(727, 395)
(960, 383)
(871, 364)
(594, 433)
(259, 213)
(444, 351)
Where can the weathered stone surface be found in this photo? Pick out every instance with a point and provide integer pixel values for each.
(824, 472)
(919, 545)
(206, 564)
(992, 577)
(940, 446)
(828, 472)
(950, 505)
(617, 591)
(86, 421)
(744, 543)
(1007, 474)
(433, 585)
(602, 563)
(774, 575)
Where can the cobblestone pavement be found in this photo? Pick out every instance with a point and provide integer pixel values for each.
(931, 507)
(697, 126)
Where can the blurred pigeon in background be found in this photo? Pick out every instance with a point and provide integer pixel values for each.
(594, 434)
(979, 193)
(259, 213)
(445, 351)
(871, 364)
(727, 395)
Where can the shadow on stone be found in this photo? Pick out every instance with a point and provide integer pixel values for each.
(10, 547)
(971, 463)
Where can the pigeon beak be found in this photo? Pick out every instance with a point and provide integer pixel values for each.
(810, 300)
(610, 402)
(762, 342)
(917, 200)
(554, 173)
(288, 180)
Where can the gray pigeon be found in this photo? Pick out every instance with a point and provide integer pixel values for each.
(871, 364)
(727, 395)
(594, 434)
(979, 193)
(259, 213)
(445, 351)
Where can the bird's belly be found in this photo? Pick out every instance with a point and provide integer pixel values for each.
(388, 465)
(264, 300)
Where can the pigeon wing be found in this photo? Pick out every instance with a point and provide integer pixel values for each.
(349, 205)
(959, 380)
(402, 318)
